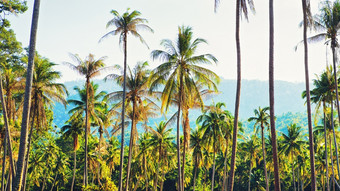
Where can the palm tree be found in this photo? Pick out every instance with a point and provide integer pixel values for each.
(292, 144)
(250, 145)
(27, 100)
(123, 25)
(161, 142)
(197, 147)
(74, 129)
(45, 92)
(262, 118)
(212, 124)
(136, 84)
(241, 6)
(328, 21)
(178, 72)
(90, 67)
(271, 96)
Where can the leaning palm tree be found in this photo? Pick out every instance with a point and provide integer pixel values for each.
(262, 118)
(128, 23)
(178, 72)
(74, 129)
(90, 67)
(27, 100)
(241, 6)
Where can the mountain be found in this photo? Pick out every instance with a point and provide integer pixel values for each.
(254, 93)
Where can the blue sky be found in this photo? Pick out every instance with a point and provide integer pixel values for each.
(75, 26)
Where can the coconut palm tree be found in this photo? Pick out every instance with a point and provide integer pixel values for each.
(128, 23)
(137, 91)
(27, 100)
(74, 129)
(242, 6)
(262, 119)
(181, 66)
(212, 124)
(197, 147)
(89, 68)
(45, 92)
(292, 144)
(271, 96)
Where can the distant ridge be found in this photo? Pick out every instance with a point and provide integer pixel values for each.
(254, 93)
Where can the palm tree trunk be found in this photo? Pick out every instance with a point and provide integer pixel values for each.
(157, 170)
(44, 182)
(145, 174)
(137, 184)
(264, 157)
(186, 137)
(4, 163)
(87, 129)
(9, 180)
(271, 95)
(250, 166)
(74, 168)
(298, 179)
(325, 136)
(224, 183)
(238, 94)
(29, 145)
(337, 100)
(293, 175)
(178, 139)
(7, 129)
(331, 155)
(123, 118)
(27, 99)
(162, 182)
(133, 126)
(309, 115)
(213, 172)
(205, 181)
(195, 174)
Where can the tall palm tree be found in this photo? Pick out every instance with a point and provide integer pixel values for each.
(262, 119)
(128, 23)
(292, 144)
(328, 22)
(27, 100)
(212, 124)
(242, 6)
(89, 68)
(271, 96)
(180, 68)
(45, 92)
(137, 91)
(307, 19)
(74, 129)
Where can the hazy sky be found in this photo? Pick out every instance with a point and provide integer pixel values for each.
(75, 26)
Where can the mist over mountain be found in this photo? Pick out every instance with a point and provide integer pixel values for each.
(289, 104)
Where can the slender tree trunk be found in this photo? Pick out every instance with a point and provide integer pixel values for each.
(137, 184)
(195, 174)
(4, 163)
(157, 170)
(178, 136)
(250, 166)
(309, 113)
(331, 155)
(87, 129)
(325, 136)
(27, 99)
(238, 94)
(7, 129)
(145, 174)
(337, 101)
(271, 96)
(162, 182)
(23, 188)
(123, 118)
(264, 157)
(205, 181)
(133, 126)
(213, 172)
(186, 135)
(224, 185)
(298, 180)
(9, 180)
(74, 168)
(44, 182)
